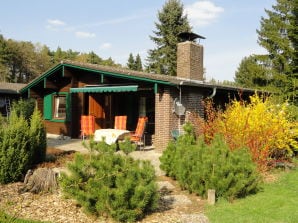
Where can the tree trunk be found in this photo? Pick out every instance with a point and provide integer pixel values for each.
(41, 180)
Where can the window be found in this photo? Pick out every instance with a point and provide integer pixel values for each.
(60, 107)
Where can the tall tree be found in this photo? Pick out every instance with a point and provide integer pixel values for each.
(278, 35)
(251, 73)
(138, 63)
(163, 58)
(131, 62)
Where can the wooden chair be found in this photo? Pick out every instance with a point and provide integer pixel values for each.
(138, 136)
(120, 122)
(87, 126)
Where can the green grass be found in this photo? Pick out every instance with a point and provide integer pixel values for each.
(9, 219)
(277, 203)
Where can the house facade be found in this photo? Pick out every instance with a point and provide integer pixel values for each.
(70, 89)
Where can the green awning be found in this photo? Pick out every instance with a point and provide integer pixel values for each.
(102, 89)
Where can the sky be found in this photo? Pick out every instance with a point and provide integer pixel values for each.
(116, 28)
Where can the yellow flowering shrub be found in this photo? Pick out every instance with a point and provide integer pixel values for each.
(261, 126)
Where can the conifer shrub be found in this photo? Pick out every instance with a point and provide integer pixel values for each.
(38, 138)
(22, 144)
(199, 166)
(108, 183)
(24, 107)
(14, 149)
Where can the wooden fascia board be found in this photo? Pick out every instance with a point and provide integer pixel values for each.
(41, 78)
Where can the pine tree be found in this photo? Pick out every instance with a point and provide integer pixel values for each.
(278, 35)
(131, 62)
(251, 73)
(163, 58)
(138, 63)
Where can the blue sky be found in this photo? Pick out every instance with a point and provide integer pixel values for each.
(115, 28)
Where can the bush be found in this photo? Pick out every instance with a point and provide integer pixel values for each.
(24, 108)
(38, 138)
(106, 183)
(200, 166)
(268, 130)
(261, 126)
(22, 144)
(14, 149)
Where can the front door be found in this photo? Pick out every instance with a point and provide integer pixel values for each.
(97, 109)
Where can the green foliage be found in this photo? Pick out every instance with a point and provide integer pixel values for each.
(24, 107)
(251, 73)
(131, 62)
(106, 183)
(162, 59)
(134, 64)
(276, 203)
(14, 149)
(22, 144)
(126, 146)
(22, 61)
(277, 70)
(198, 167)
(5, 218)
(38, 138)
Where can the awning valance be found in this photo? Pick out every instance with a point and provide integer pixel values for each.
(102, 89)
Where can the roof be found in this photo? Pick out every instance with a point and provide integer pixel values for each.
(11, 88)
(130, 74)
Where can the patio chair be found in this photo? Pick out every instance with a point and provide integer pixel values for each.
(87, 126)
(120, 122)
(138, 137)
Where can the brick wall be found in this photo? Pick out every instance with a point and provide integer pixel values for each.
(166, 120)
(190, 60)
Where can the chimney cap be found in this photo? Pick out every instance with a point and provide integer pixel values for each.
(189, 36)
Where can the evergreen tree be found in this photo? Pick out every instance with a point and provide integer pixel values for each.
(138, 63)
(251, 73)
(131, 62)
(163, 58)
(278, 35)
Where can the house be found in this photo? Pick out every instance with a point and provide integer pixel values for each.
(8, 93)
(71, 89)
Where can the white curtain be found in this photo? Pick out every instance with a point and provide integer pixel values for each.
(57, 102)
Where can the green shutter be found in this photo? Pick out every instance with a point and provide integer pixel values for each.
(47, 107)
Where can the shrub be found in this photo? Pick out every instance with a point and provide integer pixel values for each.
(106, 183)
(38, 138)
(24, 107)
(200, 166)
(268, 130)
(22, 144)
(14, 149)
(261, 126)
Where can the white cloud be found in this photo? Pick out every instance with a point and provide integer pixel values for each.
(105, 46)
(55, 22)
(81, 34)
(202, 13)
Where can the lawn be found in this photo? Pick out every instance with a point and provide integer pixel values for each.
(9, 219)
(276, 203)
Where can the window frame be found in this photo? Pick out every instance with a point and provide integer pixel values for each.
(55, 110)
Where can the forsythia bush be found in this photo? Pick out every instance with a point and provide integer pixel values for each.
(261, 126)
(198, 166)
(106, 183)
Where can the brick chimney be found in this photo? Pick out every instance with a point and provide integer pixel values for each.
(190, 60)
